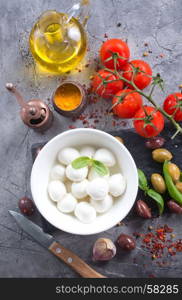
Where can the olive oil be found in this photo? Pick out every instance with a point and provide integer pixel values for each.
(57, 43)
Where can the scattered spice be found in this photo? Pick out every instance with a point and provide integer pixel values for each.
(72, 127)
(119, 25)
(158, 242)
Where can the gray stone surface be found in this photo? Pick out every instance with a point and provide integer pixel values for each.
(157, 23)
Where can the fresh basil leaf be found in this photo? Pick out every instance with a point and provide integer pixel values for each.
(158, 198)
(143, 184)
(100, 168)
(81, 162)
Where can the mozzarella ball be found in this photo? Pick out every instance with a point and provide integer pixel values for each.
(67, 204)
(79, 189)
(76, 174)
(105, 156)
(85, 212)
(68, 185)
(117, 185)
(56, 190)
(98, 188)
(58, 172)
(67, 155)
(87, 151)
(93, 174)
(103, 205)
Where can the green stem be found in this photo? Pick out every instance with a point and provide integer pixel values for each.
(151, 100)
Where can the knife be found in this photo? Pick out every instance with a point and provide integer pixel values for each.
(46, 240)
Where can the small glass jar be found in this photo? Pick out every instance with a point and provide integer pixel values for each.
(69, 99)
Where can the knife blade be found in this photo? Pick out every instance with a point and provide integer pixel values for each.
(47, 241)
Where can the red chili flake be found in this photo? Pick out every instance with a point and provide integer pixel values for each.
(167, 229)
(134, 260)
(178, 246)
(72, 127)
(82, 117)
(151, 276)
(137, 234)
(158, 243)
(146, 44)
(171, 251)
(85, 122)
(161, 55)
(96, 121)
(146, 240)
(113, 123)
(123, 123)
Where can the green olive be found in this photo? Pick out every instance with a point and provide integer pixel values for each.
(161, 154)
(179, 186)
(119, 139)
(174, 171)
(158, 183)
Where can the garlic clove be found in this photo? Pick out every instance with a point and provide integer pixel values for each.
(103, 250)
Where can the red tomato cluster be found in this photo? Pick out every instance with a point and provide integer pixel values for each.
(127, 102)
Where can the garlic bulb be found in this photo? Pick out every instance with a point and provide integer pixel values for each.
(103, 250)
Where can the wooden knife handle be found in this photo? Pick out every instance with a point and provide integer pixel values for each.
(74, 261)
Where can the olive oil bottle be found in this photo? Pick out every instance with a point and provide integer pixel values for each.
(57, 42)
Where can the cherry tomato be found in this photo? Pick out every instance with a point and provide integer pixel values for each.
(114, 46)
(103, 87)
(170, 104)
(130, 103)
(141, 79)
(152, 123)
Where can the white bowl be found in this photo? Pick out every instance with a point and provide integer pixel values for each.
(46, 159)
